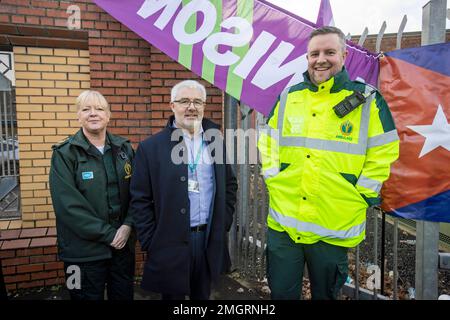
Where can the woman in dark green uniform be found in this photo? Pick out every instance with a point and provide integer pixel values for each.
(89, 184)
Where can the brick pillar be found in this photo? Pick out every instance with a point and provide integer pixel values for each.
(47, 84)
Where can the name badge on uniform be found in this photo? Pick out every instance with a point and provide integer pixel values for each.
(193, 186)
(87, 175)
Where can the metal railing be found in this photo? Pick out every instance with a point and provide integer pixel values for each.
(248, 237)
(9, 152)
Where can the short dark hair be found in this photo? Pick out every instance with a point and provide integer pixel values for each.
(327, 30)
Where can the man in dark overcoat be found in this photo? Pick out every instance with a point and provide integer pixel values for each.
(183, 196)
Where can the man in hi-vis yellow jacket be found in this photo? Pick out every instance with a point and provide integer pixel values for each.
(323, 168)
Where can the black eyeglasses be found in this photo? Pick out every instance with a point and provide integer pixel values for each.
(185, 103)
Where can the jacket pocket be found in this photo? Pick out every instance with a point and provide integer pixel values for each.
(284, 166)
(282, 170)
(352, 179)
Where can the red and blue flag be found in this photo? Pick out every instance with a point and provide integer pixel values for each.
(416, 85)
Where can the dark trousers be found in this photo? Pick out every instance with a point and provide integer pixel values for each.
(327, 267)
(200, 278)
(116, 274)
(3, 293)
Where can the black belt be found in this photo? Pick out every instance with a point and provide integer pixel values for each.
(201, 227)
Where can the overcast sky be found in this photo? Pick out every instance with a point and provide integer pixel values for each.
(352, 16)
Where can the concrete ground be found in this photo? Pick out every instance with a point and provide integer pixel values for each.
(226, 288)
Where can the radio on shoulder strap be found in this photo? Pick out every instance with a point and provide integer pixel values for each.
(350, 103)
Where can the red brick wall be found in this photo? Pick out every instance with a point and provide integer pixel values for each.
(134, 76)
(29, 258)
(389, 41)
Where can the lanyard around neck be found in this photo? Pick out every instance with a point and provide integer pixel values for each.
(193, 166)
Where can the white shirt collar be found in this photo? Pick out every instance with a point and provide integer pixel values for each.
(185, 135)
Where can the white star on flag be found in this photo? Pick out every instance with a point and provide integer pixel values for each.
(436, 135)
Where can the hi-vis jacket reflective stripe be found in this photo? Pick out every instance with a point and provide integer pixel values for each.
(322, 171)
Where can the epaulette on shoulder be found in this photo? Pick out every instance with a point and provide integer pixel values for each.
(61, 143)
(371, 87)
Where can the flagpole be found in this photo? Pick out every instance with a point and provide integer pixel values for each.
(427, 233)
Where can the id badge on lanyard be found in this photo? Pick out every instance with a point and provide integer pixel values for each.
(193, 186)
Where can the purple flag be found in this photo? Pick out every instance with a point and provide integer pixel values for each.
(250, 49)
(325, 17)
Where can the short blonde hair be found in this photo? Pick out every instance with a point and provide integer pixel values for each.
(91, 97)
